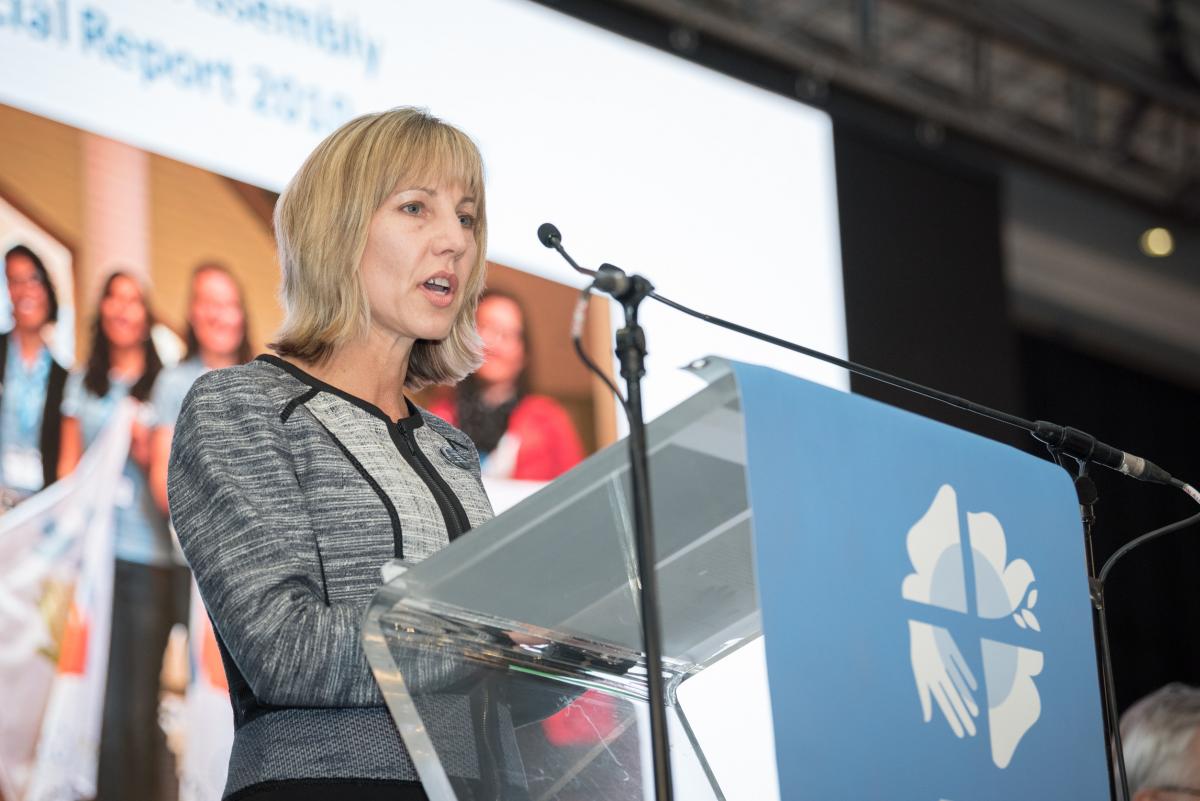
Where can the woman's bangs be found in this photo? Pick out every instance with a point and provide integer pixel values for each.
(447, 157)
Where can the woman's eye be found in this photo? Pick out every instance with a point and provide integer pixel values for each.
(411, 208)
(467, 220)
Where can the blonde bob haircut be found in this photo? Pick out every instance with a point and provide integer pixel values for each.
(321, 224)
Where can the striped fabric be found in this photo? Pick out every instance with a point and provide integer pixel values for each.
(287, 496)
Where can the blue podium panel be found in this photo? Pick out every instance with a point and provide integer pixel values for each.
(925, 605)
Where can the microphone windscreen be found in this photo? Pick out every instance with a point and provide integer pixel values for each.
(548, 235)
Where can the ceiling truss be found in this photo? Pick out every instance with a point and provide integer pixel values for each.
(985, 69)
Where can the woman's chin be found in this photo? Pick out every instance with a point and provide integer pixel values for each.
(493, 376)
(435, 332)
(29, 322)
(223, 347)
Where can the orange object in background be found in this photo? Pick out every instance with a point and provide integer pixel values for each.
(72, 654)
(210, 656)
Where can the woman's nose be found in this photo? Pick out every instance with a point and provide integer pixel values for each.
(452, 236)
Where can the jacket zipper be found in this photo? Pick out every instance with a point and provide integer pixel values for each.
(455, 518)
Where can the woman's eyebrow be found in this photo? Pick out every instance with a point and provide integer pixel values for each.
(431, 192)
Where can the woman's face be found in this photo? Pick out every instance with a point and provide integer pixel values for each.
(419, 253)
(499, 323)
(123, 318)
(30, 299)
(216, 314)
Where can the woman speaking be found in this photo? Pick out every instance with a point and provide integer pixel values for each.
(295, 477)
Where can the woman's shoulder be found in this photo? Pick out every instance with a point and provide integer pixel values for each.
(256, 385)
(187, 370)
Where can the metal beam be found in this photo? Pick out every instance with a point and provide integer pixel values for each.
(996, 73)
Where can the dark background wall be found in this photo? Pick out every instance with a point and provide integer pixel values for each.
(924, 278)
(1154, 593)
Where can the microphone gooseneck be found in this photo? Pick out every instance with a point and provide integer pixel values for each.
(549, 236)
(1062, 439)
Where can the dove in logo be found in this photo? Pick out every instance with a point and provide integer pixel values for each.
(1003, 589)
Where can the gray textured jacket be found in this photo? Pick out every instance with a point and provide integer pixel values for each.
(288, 495)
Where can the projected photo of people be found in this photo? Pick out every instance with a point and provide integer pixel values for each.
(32, 378)
(519, 435)
(531, 408)
(110, 682)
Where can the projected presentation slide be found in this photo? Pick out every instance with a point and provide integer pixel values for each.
(721, 194)
(155, 137)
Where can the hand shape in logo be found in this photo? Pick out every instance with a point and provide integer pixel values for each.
(943, 676)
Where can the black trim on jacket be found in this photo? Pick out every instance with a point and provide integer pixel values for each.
(393, 515)
(414, 419)
(401, 431)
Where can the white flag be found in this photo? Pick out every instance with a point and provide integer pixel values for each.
(56, 568)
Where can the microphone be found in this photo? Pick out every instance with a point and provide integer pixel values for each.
(609, 278)
(549, 236)
(1082, 445)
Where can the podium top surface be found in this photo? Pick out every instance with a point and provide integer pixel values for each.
(563, 559)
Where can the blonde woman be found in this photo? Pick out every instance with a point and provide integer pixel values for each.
(295, 477)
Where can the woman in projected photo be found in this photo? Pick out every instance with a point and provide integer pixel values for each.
(32, 382)
(217, 336)
(294, 478)
(147, 591)
(519, 435)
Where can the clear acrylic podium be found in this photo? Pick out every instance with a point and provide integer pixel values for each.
(533, 616)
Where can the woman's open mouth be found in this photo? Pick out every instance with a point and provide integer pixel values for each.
(439, 290)
(439, 285)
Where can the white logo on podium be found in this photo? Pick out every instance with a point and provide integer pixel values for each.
(1002, 589)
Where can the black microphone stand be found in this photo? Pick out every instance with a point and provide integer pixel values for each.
(1085, 490)
(631, 351)
(630, 291)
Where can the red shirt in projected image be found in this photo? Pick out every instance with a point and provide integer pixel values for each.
(540, 442)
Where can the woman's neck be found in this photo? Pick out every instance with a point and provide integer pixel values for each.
(494, 395)
(370, 369)
(127, 362)
(29, 344)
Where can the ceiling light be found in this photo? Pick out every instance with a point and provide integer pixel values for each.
(1157, 242)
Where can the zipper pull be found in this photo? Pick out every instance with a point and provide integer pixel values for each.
(412, 446)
